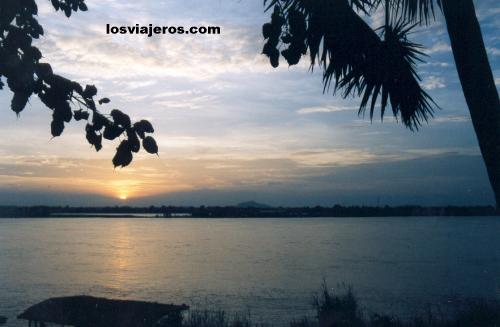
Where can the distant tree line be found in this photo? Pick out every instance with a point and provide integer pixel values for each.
(240, 212)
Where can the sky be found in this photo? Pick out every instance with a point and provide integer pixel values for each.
(230, 127)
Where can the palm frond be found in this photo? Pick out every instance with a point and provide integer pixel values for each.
(363, 5)
(415, 11)
(386, 68)
(399, 79)
(357, 61)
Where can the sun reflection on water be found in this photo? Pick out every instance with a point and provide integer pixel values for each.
(122, 258)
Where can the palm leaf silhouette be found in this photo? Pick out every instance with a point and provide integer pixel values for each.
(358, 61)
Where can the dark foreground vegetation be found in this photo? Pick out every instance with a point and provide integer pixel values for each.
(239, 211)
(343, 311)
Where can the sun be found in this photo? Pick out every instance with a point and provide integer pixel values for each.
(123, 197)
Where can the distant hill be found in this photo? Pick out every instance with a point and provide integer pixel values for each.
(252, 204)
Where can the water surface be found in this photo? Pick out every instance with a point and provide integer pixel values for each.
(269, 267)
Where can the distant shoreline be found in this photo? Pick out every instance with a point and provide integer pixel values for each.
(243, 212)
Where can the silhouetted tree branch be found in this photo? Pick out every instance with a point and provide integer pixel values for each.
(26, 76)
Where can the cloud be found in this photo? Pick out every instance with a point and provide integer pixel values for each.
(106, 58)
(493, 51)
(451, 119)
(436, 64)
(439, 47)
(324, 109)
(191, 102)
(82, 40)
(433, 82)
(284, 182)
(336, 157)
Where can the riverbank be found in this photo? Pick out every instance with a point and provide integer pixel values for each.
(343, 310)
(332, 310)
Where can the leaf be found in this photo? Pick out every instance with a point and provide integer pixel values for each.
(36, 29)
(55, 4)
(292, 55)
(81, 115)
(104, 101)
(67, 11)
(277, 17)
(89, 92)
(17, 38)
(112, 131)
(120, 118)
(274, 59)
(142, 127)
(63, 112)
(49, 98)
(273, 53)
(57, 127)
(287, 38)
(82, 6)
(149, 144)
(123, 156)
(267, 30)
(33, 54)
(93, 138)
(99, 121)
(43, 70)
(19, 101)
(62, 86)
(77, 87)
(135, 144)
(297, 24)
(37, 86)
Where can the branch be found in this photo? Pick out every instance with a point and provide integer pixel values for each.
(27, 76)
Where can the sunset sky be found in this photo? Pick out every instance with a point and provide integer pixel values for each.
(229, 126)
